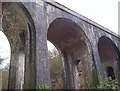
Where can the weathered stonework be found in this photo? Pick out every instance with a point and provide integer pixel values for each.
(76, 37)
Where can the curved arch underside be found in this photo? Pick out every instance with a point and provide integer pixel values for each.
(74, 45)
(106, 50)
(109, 57)
(65, 33)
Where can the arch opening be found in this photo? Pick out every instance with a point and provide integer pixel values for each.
(55, 67)
(110, 72)
(18, 29)
(5, 54)
(109, 56)
(73, 45)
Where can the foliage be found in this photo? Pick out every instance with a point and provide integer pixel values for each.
(1, 60)
(43, 87)
(95, 80)
(55, 68)
(55, 65)
(108, 83)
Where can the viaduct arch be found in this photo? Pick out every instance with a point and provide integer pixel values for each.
(77, 38)
(73, 44)
(109, 56)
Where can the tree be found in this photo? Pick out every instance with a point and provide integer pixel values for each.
(55, 67)
(1, 60)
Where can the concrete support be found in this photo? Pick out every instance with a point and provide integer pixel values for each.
(98, 65)
(40, 64)
(20, 72)
(70, 75)
(30, 59)
(13, 69)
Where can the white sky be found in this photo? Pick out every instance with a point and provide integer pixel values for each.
(4, 49)
(104, 12)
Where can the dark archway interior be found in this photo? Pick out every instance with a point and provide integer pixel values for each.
(110, 72)
(109, 56)
(70, 39)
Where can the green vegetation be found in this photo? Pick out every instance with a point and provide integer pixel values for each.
(55, 65)
(43, 87)
(107, 83)
(95, 80)
(55, 69)
(56, 72)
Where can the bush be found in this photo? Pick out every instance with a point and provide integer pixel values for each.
(108, 83)
(43, 87)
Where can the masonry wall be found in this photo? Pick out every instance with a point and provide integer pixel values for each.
(42, 75)
(41, 14)
(93, 32)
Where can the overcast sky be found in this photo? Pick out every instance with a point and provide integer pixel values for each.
(104, 12)
(4, 49)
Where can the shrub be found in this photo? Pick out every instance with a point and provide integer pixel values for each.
(43, 87)
(108, 83)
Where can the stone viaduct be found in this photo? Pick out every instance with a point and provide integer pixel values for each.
(77, 38)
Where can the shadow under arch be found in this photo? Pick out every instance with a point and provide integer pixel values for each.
(74, 45)
(22, 40)
(110, 57)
